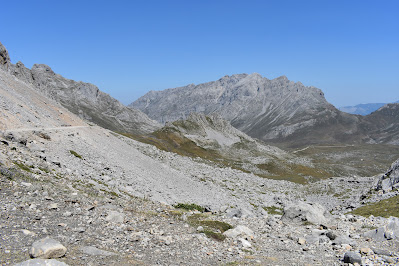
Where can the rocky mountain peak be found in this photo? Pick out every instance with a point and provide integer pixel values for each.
(260, 107)
(42, 68)
(4, 57)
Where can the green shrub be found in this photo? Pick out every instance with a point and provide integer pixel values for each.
(74, 153)
(189, 207)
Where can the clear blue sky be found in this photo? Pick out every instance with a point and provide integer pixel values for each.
(349, 49)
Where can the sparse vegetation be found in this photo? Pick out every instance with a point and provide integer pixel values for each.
(74, 153)
(273, 210)
(383, 208)
(189, 207)
(212, 229)
(44, 136)
(171, 140)
(23, 167)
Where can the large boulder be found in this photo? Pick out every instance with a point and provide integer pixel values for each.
(306, 212)
(47, 248)
(390, 179)
(239, 231)
(387, 232)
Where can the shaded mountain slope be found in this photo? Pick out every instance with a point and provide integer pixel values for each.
(83, 99)
(384, 124)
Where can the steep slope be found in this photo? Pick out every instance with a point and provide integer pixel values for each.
(23, 107)
(83, 99)
(277, 110)
(384, 124)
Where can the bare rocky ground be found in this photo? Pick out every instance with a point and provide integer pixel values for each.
(73, 201)
(109, 201)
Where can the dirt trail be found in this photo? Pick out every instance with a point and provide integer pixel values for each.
(42, 128)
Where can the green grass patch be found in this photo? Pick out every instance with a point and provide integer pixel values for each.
(384, 208)
(77, 155)
(214, 235)
(189, 207)
(46, 170)
(296, 173)
(212, 229)
(23, 167)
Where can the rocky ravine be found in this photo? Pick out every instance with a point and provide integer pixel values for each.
(83, 99)
(105, 199)
(276, 111)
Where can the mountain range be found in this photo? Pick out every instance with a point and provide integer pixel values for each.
(363, 109)
(277, 111)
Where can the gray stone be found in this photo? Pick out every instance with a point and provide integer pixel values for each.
(93, 251)
(234, 213)
(390, 179)
(376, 234)
(331, 235)
(239, 231)
(301, 212)
(115, 217)
(352, 257)
(41, 262)
(381, 252)
(312, 239)
(340, 240)
(47, 248)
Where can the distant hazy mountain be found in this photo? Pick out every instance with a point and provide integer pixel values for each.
(83, 99)
(362, 109)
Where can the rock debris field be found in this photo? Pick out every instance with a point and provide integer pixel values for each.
(87, 196)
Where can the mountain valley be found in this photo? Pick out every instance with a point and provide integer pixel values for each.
(197, 181)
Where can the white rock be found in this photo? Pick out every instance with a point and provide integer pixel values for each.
(27, 232)
(245, 243)
(239, 231)
(115, 217)
(47, 248)
(41, 262)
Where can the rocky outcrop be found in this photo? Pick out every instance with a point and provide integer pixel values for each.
(390, 179)
(4, 57)
(82, 99)
(388, 232)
